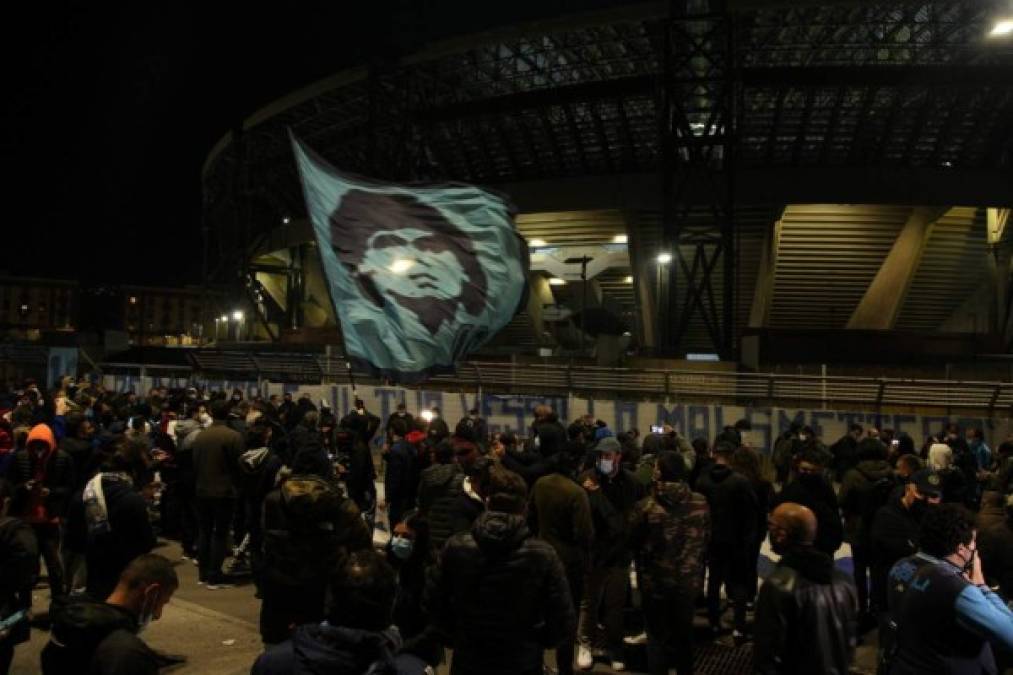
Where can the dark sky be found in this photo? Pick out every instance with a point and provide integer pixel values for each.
(109, 112)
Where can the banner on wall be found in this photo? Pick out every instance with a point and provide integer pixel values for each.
(515, 412)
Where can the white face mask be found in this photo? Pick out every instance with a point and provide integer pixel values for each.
(605, 466)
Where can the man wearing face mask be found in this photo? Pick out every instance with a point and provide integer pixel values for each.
(100, 638)
(811, 489)
(807, 610)
(612, 493)
(947, 618)
(894, 532)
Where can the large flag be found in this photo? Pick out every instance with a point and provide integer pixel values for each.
(420, 276)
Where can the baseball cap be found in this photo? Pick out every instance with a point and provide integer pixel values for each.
(928, 482)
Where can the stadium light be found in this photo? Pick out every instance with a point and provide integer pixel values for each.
(620, 239)
(237, 315)
(286, 220)
(629, 279)
(556, 281)
(402, 265)
(1002, 28)
(664, 258)
(537, 243)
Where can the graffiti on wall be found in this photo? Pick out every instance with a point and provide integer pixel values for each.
(514, 412)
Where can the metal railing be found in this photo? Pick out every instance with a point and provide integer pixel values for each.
(702, 385)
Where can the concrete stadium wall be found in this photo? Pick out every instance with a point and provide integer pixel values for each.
(514, 413)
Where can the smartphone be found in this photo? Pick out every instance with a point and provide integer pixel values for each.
(657, 429)
(13, 619)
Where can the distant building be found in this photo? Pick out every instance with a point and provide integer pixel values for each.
(30, 307)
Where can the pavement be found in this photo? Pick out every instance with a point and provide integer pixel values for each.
(218, 631)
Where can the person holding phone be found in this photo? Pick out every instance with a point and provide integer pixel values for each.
(19, 555)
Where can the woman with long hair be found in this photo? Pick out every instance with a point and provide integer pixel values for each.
(746, 461)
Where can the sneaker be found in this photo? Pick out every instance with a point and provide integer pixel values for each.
(636, 639)
(202, 582)
(739, 638)
(219, 583)
(584, 659)
(618, 666)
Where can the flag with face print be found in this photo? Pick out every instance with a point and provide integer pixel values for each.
(420, 275)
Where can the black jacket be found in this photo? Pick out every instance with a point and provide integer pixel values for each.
(19, 564)
(611, 504)
(336, 650)
(806, 617)
(439, 489)
(733, 505)
(499, 597)
(80, 451)
(815, 493)
(94, 638)
(894, 534)
(59, 480)
(130, 533)
(401, 479)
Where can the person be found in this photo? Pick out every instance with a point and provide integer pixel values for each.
(702, 460)
(746, 461)
(733, 508)
(948, 620)
(545, 416)
(111, 516)
(216, 453)
(437, 428)
(356, 637)
(402, 415)
(79, 444)
(864, 490)
(259, 467)
(612, 493)
(982, 454)
(187, 431)
(478, 426)
(807, 611)
(309, 525)
(499, 596)
(907, 465)
(99, 637)
(410, 552)
(995, 546)
(43, 478)
(811, 489)
(845, 451)
(669, 533)
(355, 461)
(786, 447)
(401, 478)
(561, 515)
(19, 561)
(440, 486)
(471, 502)
(894, 532)
(307, 446)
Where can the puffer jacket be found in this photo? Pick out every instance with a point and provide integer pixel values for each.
(59, 479)
(80, 626)
(806, 617)
(857, 480)
(439, 489)
(669, 532)
(499, 597)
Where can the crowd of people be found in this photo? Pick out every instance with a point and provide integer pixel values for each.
(497, 547)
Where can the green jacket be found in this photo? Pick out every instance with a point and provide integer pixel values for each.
(561, 515)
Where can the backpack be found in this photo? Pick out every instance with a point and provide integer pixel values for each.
(875, 494)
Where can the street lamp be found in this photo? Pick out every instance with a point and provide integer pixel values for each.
(664, 258)
(237, 315)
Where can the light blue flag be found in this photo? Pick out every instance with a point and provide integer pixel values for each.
(420, 276)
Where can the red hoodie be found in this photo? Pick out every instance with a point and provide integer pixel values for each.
(37, 511)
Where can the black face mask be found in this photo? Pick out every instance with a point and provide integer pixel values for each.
(918, 508)
(810, 480)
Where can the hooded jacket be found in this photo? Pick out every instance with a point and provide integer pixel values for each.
(562, 513)
(499, 597)
(92, 637)
(856, 481)
(611, 503)
(336, 650)
(53, 469)
(806, 617)
(733, 507)
(669, 532)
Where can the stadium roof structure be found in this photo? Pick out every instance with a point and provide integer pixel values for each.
(694, 111)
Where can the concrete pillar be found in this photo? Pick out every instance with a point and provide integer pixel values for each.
(763, 293)
(884, 298)
(539, 295)
(643, 284)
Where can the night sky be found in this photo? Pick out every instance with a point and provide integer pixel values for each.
(110, 112)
